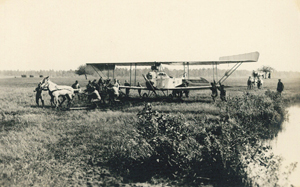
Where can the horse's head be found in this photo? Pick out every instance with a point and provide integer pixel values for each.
(44, 84)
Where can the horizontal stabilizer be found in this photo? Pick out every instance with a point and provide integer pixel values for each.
(247, 57)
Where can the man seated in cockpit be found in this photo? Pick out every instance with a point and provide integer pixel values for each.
(150, 82)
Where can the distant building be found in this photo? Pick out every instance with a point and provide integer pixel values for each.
(31, 75)
(41, 75)
(24, 76)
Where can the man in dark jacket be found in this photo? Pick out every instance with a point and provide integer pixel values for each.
(214, 91)
(280, 86)
(39, 95)
(222, 92)
(127, 89)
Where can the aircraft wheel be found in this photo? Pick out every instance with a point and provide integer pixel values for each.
(145, 95)
(171, 96)
(180, 94)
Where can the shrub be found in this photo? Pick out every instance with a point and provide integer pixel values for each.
(209, 150)
(259, 114)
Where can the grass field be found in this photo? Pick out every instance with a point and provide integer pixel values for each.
(47, 147)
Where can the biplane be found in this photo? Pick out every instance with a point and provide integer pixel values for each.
(158, 81)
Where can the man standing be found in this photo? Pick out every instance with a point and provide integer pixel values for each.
(249, 83)
(259, 83)
(139, 90)
(39, 95)
(214, 91)
(89, 85)
(100, 83)
(222, 92)
(116, 89)
(76, 88)
(127, 89)
(280, 86)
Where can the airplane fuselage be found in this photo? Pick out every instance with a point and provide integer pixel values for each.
(162, 80)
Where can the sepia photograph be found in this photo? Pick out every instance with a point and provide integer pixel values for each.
(150, 93)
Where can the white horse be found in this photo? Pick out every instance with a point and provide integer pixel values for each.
(57, 90)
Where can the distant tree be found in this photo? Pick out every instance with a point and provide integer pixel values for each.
(266, 70)
(84, 70)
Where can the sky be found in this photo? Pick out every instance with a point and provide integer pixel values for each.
(62, 35)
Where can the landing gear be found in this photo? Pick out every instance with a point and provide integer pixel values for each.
(145, 95)
(177, 94)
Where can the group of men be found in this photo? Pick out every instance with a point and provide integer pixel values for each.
(214, 90)
(96, 88)
(251, 82)
(280, 86)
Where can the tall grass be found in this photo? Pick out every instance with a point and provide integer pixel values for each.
(190, 142)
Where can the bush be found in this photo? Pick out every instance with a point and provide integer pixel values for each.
(259, 114)
(216, 151)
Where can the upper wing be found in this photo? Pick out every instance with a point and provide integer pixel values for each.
(247, 57)
(111, 65)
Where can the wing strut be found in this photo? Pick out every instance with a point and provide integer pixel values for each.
(215, 71)
(228, 73)
(130, 73)
(188, 66)
(96, 71)
(147, 80)
(135, 75)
